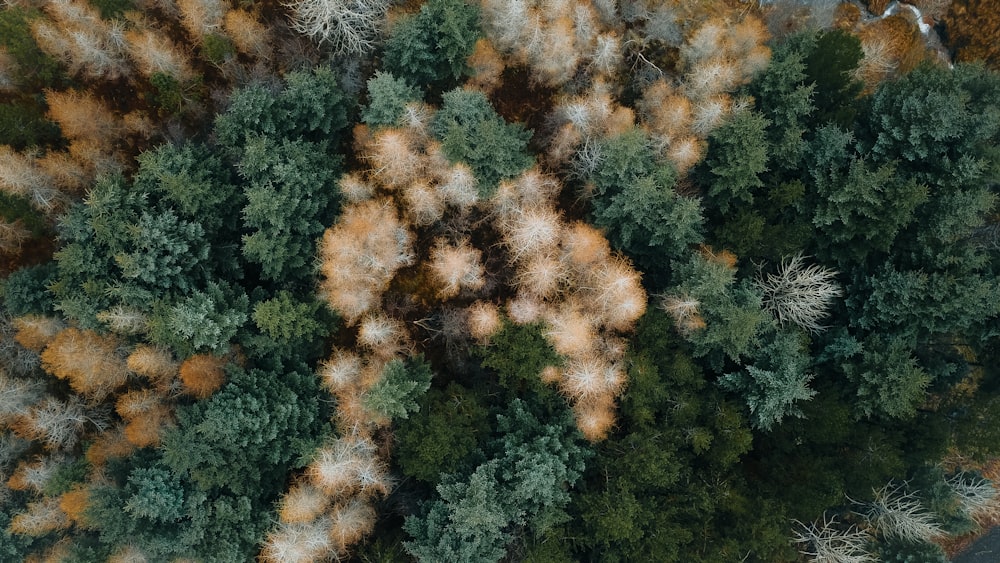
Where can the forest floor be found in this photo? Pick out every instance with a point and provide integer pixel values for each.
(983, 546)
(985, 549)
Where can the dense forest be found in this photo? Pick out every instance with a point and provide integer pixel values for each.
(694, 281)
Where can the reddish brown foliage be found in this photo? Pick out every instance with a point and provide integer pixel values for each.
(974, 31)
(74, 503)
(203, 374)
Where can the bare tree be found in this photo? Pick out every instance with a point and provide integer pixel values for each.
(12, 235)
(800, 294)
(825, 542)
(17, 396)
(20, 176)
(456, 267)
(976, 495)
(350, 522)
(294, 543)
(40, 518)
(302, 504)
(58, 424)
(897, 513)
(348, 26)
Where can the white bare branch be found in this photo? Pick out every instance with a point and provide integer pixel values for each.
(976, 495)
(800, 294)
(349, 26)
(826, 542)
(897, 513)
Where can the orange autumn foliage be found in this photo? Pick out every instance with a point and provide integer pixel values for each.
(487, 66)
(88, 360)
(484, 320)
(147, 430)
(109, 444)
(74, 503)
(40, 518)
(595, 417)
(974, 31)
(203, 374)
(153, 363)
(137, 403)
(80, 116)
(33, 474)
(724, 257)
(302, 504)
(146, 416)
(350, 522)
(35, 332)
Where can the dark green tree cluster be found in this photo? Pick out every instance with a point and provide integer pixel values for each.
(635, 202)
(470, 131)
(207, 248)
(428, 49)
(519, 488)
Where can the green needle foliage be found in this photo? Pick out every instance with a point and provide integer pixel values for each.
(397, 393)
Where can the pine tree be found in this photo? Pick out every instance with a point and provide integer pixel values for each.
(775, 381)
(737, 156)
(400, 385)
(471, 131)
